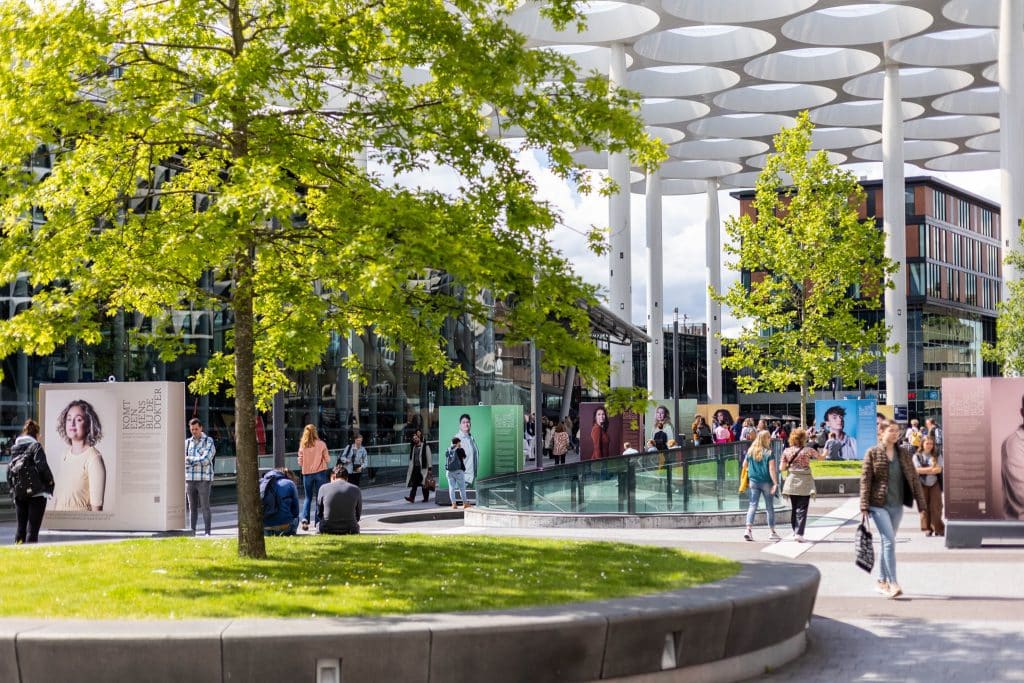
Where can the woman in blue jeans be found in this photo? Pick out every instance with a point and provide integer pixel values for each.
(763, 472)
(888, 482)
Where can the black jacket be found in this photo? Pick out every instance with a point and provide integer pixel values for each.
(32, 450)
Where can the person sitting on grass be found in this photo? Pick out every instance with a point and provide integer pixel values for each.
(280, 499)
(340, 504)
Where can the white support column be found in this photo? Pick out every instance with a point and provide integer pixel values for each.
(713, 263)
(1011, 130)
(620, 271)
(895, 226)
(655, 288)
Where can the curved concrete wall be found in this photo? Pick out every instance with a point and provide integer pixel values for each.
(727, 630)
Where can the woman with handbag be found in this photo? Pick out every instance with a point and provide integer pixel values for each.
(763, 477)
(799, 484)
(419, 468)
(888, 481)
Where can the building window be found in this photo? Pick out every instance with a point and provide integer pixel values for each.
(917, 284)
(953, 284)
(939, 205)
(986, 222)
(934, 280)
(908, 201)
(963, 213)
(971, 289)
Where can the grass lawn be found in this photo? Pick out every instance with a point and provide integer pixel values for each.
(836, 468)
(307, 576)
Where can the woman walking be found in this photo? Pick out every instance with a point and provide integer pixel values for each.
(763, 473)
(799, 483)
(888, 481)
(314, 461)
(419, 468)
(559, 443)
(928, 464)
(30, 482)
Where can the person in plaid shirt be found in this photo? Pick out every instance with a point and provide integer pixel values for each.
(199, 452)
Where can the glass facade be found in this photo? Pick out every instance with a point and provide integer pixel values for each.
(395, 400)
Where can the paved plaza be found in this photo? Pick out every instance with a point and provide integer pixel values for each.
(961, 617)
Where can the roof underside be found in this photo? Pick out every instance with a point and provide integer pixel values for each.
(719, 78)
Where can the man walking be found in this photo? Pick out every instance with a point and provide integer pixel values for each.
(340, 504)
(199, 452)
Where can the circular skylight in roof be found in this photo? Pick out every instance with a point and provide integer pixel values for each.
(680, 80)
(704, 44)
(669, 136)
(839, 138)
(968, 161)
(741, 125)
(760, 160)
(989, 142)
(857, 24)
(948, 48)
(733, 11)
(699, 169)
(771, 97)
(673, 187)
(914, 82)
(972, 12)
(588, 58)
(725, 149)
(606, 22)
(946, 127)
(859, 113)
(749, 179)
(667, 110)
(811, 64)
(974, 101)
(913, 150)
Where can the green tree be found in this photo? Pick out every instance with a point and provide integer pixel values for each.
(1008, 350)
(231, 137)
(814, 265)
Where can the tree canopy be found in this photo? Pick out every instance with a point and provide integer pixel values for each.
(1008, 350)
(258, 140)
(814, 266)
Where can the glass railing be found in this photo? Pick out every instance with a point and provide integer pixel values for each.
(689, 479)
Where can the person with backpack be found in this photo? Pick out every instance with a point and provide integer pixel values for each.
(280, 498)
(354, 459)
(455, 469)
(30, 482)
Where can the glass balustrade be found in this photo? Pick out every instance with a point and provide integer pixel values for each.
(689, 479)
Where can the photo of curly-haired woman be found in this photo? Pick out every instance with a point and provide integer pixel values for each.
(81, 484)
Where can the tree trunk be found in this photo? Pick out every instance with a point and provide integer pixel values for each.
(250, 509)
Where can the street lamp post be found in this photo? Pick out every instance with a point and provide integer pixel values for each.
(675, 368)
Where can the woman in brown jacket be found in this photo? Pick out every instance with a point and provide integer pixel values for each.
(888, 481)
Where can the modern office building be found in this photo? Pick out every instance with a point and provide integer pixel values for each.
(954, 279)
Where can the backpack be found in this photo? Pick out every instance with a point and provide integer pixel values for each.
(271, 498)
(451, 459)
(23, 477)
(915, 439)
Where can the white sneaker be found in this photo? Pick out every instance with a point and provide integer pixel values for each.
(882, 587)
(798, 538)
(773, 536)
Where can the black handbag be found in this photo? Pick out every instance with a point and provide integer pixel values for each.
(865, 549)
